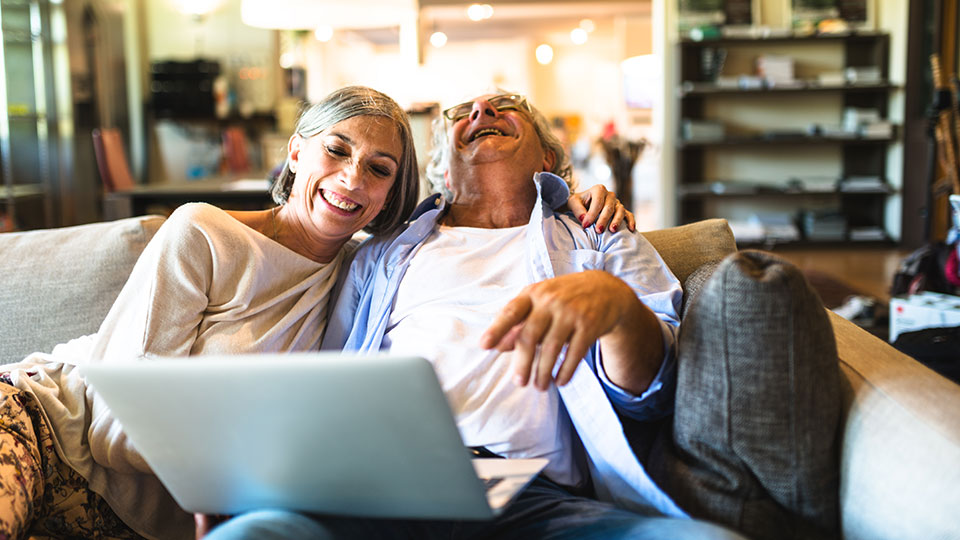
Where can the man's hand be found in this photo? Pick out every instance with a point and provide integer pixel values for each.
(575, 311)
(600, 208)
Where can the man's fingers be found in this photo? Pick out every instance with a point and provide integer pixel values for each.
(509, 340)
(511, 315)
(550, 348)
(576, 350)
(525, 352)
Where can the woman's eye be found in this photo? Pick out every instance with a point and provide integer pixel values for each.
(336, 151)
(380, 170)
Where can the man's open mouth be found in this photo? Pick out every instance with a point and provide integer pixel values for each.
(486, 131)
(338, 201)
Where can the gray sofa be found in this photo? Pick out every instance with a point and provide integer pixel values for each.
(900, 476)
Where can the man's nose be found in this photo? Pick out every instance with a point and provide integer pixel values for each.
(482, 107)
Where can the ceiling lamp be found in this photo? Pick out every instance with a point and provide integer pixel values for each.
(312, 14)
(323, 33)
(438, 39)
(479, 12)
(578, 36)
(544, 54)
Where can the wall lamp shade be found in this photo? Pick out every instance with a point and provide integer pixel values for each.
(310, 14)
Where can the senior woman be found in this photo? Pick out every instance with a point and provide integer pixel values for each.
(210, 281)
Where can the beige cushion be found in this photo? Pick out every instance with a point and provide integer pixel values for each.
(900, 466)
(687, 247)
(58, 284)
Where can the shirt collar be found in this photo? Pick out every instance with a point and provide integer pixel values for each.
(553, 191)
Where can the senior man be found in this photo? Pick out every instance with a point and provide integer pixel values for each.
(585, 322)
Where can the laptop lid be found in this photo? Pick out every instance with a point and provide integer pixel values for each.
(316, 432)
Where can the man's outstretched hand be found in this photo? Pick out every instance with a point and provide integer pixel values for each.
(574, 311)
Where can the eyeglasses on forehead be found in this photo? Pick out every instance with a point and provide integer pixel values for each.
(501, 102)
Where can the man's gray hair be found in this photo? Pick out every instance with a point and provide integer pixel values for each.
(347, 103)
(440, 154)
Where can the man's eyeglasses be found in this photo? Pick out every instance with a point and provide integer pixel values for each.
(501, 103)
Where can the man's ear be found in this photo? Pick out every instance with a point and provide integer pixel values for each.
(294, 145)
(549, 159)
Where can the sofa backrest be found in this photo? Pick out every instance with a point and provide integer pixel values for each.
(688, 247)
(58, 284)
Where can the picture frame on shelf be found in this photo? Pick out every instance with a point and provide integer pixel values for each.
(740, 15)
(698, 14)
(742, 19)
(860, 15)
(805, 16)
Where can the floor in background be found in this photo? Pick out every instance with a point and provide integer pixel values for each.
(867, 271)
(841, 273)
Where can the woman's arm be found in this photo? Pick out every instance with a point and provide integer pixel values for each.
(160, 308)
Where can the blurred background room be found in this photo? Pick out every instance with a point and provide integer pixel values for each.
(806, 123)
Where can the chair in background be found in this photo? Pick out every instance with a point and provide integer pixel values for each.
(235, 156)
(112, 160)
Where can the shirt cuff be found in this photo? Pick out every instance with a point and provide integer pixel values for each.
(657, 400)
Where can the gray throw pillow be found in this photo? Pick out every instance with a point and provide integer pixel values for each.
(755, 443)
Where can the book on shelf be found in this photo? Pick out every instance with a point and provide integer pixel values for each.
(862, 183)
(823, 225)
(866, 234)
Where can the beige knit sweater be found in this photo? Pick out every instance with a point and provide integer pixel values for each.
(205, 284)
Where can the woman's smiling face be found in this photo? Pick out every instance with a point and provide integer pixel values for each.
(344, 174)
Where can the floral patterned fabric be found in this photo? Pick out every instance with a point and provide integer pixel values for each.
(40, 496)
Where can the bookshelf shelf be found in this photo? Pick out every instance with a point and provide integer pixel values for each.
(756, 133)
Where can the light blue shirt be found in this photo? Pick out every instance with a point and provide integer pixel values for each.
(557, 244)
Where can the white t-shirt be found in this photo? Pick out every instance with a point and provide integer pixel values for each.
(459, 280)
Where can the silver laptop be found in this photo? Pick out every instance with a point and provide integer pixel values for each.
(325, 433)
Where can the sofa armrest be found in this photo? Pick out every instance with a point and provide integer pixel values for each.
(58, 284)
(900, 461)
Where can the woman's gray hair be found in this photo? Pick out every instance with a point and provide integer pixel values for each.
(440, 154)
(347, 103)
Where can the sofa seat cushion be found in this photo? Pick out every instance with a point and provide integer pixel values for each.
(58, 284)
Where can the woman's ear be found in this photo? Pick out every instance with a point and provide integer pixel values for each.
(294, 145)
(446, 178)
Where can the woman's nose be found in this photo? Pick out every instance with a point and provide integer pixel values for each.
(482, 107)
(350, 175)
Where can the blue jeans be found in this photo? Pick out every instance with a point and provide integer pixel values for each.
(543, 510)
